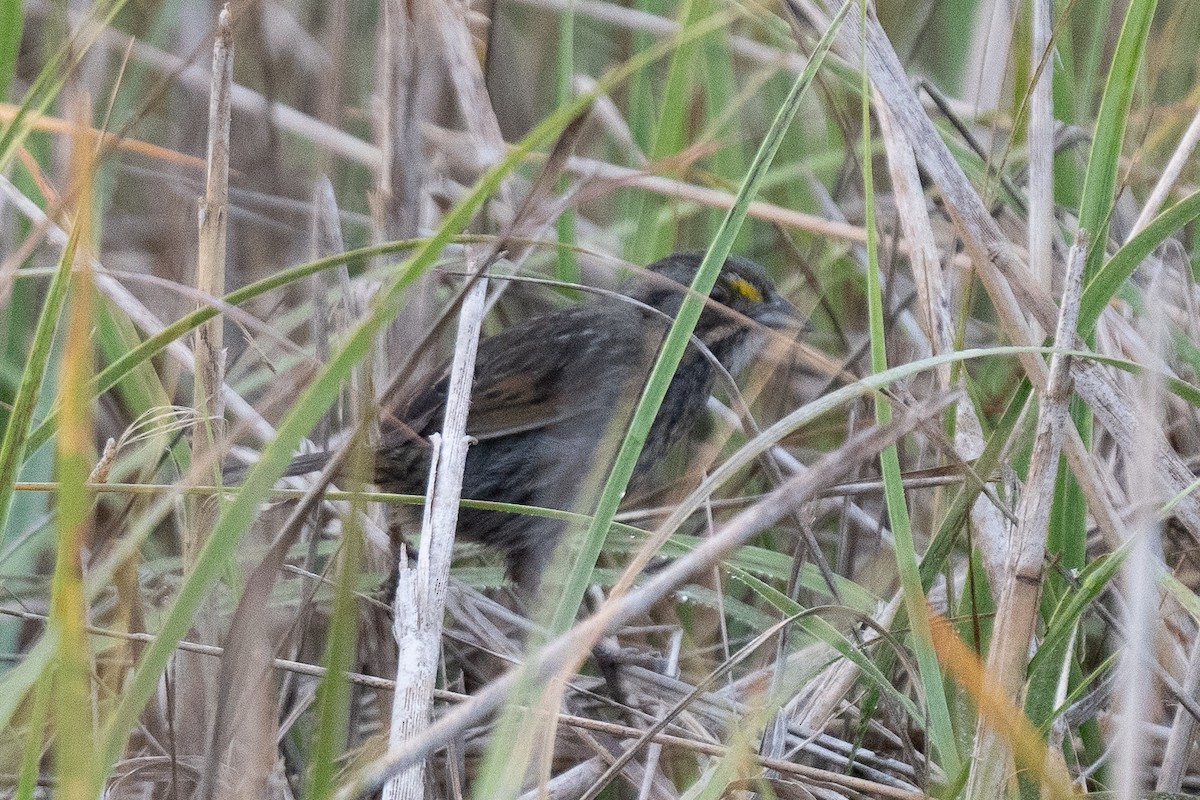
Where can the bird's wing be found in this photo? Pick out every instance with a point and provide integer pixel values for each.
(520, 402)
(527, 378)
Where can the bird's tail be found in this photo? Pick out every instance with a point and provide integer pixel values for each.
(309, 462)
(301, 465)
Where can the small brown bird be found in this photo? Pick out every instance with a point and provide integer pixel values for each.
(552, 395)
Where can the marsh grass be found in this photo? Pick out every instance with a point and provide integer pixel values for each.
(983, 584)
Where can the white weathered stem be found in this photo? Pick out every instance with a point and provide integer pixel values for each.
(464, 70)
(247, 416)
(1135, 676)
(932, 298)
(817, 703)
(326, 240)
(913, 212)
(421, 590)
(209, 370)
(1170, 174)
(359, 151)
(1017, 611)
(654, 750)
(611, 119)
(867, 523)
(1042, 227)
(571, 784)
(198, 688)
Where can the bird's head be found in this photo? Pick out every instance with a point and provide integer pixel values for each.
(743, 302)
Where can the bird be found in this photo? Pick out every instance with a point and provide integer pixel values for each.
(553, 395)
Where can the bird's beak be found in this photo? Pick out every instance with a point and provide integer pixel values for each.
(781, 315)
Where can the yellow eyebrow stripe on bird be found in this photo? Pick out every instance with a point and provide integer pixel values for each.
(746, 289)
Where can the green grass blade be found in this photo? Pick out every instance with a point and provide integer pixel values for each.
(35, 737)
(960, 507)
(72, 693)
(71, 703)
(941, 731)
(111, 375)
(13, 446)
(821, 629)
(654, 236)
(333, 695)
(1093, 580)
(568, 265)
(502, 772)
(1067, 535)
(1109, 279)
(12, 25)
(1104, 158)
(16, 683)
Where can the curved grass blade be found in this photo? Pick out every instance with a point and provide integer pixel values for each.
(1109, 278)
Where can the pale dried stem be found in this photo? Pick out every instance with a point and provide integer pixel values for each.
(1020, 591)
(325, 240)
(904, 318)
(606, 113)
(571, 783)
(636, 20)
(359, 151)
(421, 591)
(913, 213)
(1141, 594)
(817, 702)
(1060, 725)
(654, 751)
(246, 101)
(402, 89)
(1170, 174)
(1042, 226)
(717, 713)
(387, 685)
(198, 690)
(460, 149)
(354, 149)
(474, 101)
(707, 711)
(934, 305)
(867, 523)
(209, 371)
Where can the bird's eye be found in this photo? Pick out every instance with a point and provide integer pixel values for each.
(746, 289)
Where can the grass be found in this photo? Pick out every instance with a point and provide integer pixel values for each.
(865, 630)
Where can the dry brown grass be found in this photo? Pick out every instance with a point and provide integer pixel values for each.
(1034, 611)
